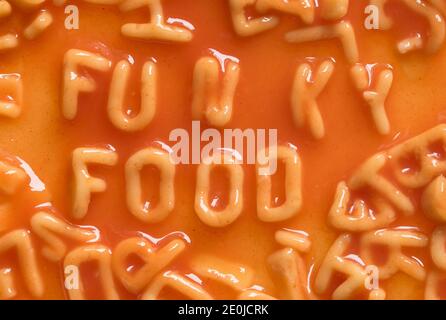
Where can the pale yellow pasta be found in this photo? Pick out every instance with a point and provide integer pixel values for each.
(84, 183)
(385, 22)
(213, 98)
(305, 9)
(43, 20)
(289, 269)
(293, 239)
(358, 217)
(155, 259)
(20, 241)
(7, 287)
(439, 4)
(12, 84)
(333, 9)
(419, 147)
(375, 97)
(395, 240)
(438, 247)
(293, 187)
(234, 275)
(307, 86)
(432, 289)
(430, 10)
(156, 29)
(8, 41)
(5, 8)
(51, 229)
(342, 30)
(436, 22)
(377, 294)
(119, 83)
(248, 27)
(433, 199)
(11, 178)
(144, 210)
(251, 294)
(410, 44)
(234, 208)
(335, 262)
(99, 254)
(74, 83)
(368, 175)
(179, 283)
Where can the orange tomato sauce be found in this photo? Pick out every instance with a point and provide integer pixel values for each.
(43, 138)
